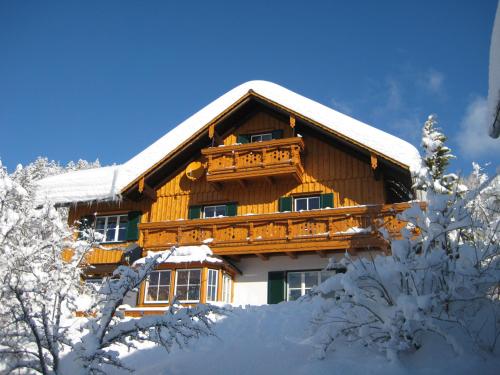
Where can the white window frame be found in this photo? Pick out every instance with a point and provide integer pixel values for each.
(302, 281)
(295, 199)
(188, 284)
(117, 227)
(260, 135)
(215, 205)
(214, 286)
(227, 285)
(158, 288)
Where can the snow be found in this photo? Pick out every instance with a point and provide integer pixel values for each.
(494, 76)
(108, 182)
(182, 254)
(275, 342)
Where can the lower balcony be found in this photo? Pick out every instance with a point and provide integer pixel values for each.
(288, 232)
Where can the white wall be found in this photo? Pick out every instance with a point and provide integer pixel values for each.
(250, 288)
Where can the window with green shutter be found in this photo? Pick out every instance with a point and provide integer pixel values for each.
(194, 212)
(285, 204)
(231, 209)
(327, 200)
(243, 138)
(277, 134)
(134, 217)
(276, 287)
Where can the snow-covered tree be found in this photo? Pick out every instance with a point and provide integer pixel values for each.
(41, 289)
(441, 279)
(43, 167)
(105, 329)
(38, 289)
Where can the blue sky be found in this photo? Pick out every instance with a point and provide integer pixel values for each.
(104, 79)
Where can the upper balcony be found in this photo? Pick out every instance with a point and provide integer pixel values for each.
(268, 159)
(287, 232)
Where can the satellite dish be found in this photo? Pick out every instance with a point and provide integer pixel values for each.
(195, 170)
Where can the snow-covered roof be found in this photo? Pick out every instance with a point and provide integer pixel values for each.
(107, 183)
(494, 77)
(182, 254)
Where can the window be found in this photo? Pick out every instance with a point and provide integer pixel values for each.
(261, 137)
(212, 281)
(226, 288)
(113, 228)
(214, 211)
(94, 282)
(307, 203)
(299, 283)
(158, 286)
(188, 283)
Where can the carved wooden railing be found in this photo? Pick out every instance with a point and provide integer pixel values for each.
(253, 160)
(327, 229)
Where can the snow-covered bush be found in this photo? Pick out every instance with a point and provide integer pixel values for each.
(441, 279)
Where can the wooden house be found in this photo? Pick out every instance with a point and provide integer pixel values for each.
(274, 183)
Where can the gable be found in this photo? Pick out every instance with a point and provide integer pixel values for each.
(193, 134)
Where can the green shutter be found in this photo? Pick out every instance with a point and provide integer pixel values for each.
(133, 225)
(285, 204)
(327, 200)
(194, 212)
(86, 222)
(243, 138)
(277, 134)
(276, 287)
(231, 209)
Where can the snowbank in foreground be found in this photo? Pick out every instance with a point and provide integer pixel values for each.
(273, 340)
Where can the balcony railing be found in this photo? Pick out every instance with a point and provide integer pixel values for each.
(279, 157)
(327, 229)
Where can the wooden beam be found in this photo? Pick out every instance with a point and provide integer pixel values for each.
(149, 192)
(270, 180)
(321, 253)
(291, 255)
(262, 256)
(292, 122)
(373, 161)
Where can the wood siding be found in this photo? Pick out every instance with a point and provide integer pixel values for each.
(326, 170)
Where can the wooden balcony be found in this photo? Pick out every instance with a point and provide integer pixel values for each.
(269, 159)
(287, 232)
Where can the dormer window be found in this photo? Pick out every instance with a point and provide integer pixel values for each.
(261, 137)
(113, 227)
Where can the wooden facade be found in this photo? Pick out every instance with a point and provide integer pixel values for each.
(254, 177)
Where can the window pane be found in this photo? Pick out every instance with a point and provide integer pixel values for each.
(164, 278)
(314, 203)
(220, 211)
(326, 274)
(266, 137)
(300, 204)
(111, 228)
(294, 279)
(194, 276)
(151, 293)
(310, 279)
(153, 278)
(256, 138)
(163, 293)
(122, 228)
(181, 292)
(209, 211)
(194, 293)
(293, 294)
(182, 277)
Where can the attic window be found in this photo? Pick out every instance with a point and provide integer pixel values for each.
(261, 137)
